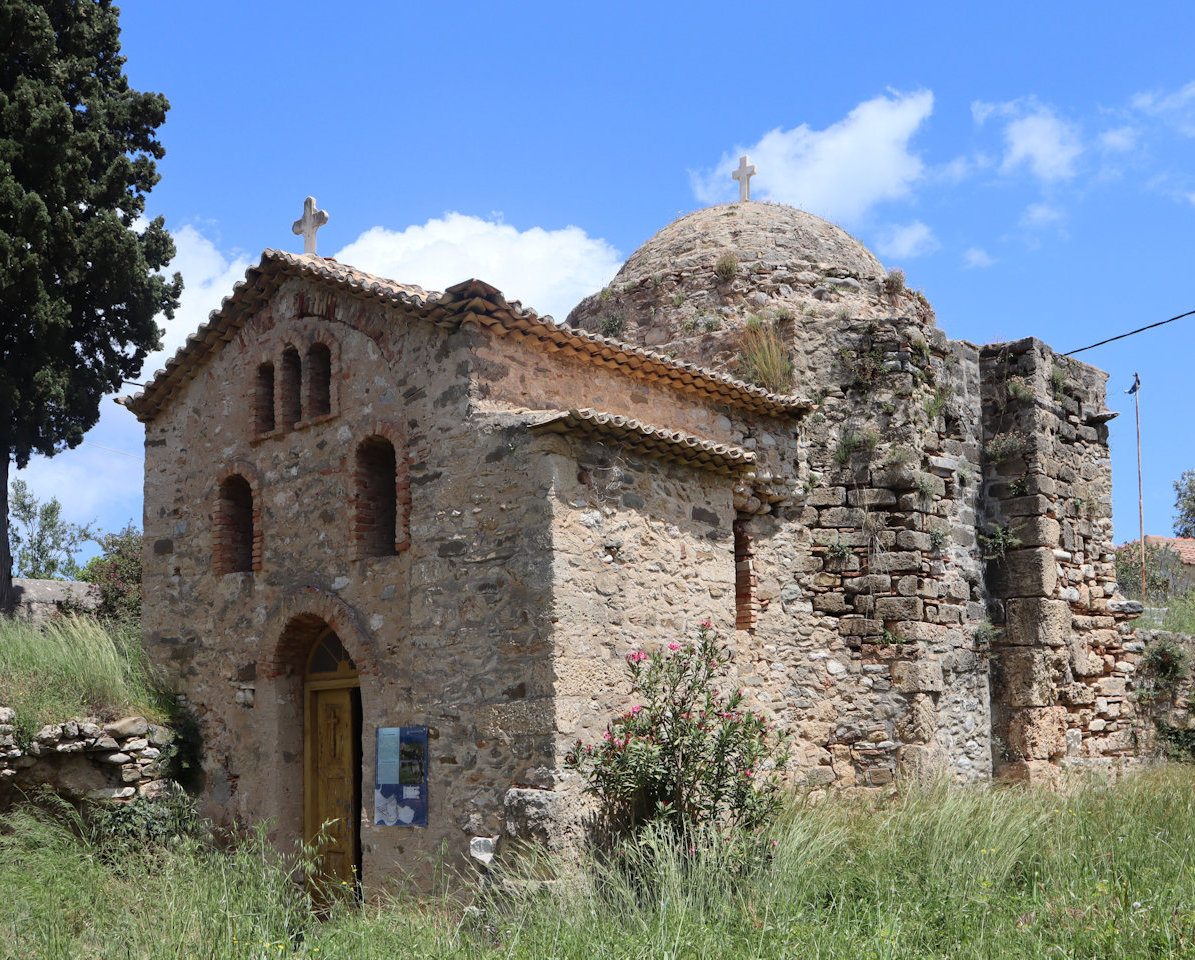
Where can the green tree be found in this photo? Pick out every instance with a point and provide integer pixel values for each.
(79, 287)
(43, 545)
(1184, 503)
(117, 572)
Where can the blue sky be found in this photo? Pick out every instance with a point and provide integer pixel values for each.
(1031, 167)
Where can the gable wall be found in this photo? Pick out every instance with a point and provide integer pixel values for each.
(445, 634)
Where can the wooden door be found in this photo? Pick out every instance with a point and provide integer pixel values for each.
(337, 773)
(332, 748)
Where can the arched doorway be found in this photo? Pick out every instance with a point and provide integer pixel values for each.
(332, 758)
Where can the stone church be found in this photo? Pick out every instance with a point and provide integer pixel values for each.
(399, 543)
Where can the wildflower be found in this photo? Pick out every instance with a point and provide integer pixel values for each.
(636, 708)
(706, 624)
(674, 646)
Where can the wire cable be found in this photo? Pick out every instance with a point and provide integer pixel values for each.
(1160, 323)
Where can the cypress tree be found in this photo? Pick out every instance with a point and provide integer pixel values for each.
(79, 287)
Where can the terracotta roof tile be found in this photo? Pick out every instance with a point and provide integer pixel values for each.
(470, 302)
(645, 438)
(1183, 546)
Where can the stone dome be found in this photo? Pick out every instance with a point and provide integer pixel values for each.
(690, 289)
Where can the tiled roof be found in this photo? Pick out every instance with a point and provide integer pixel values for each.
(635, 436)
(1183, 546)
(470, 302)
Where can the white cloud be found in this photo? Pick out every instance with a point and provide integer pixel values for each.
(1119, 140)
(208, 277)
(102, 480)
(1034, 136)
(1041, 215)
(905, 242)
(1177, 108)
(1048, 145)
(840, 172)
(549, 270)
(977, 258)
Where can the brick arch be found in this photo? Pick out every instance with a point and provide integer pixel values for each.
(396, 437)
(222, 543)
(298, 620)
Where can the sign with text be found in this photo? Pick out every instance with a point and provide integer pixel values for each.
(400, 777)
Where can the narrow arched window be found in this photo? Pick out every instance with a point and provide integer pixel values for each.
(319, 381)
(292, 379)
(746, 604)
(234, 533)
(377, 504)
(263, 398)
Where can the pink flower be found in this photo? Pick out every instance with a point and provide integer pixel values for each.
(706, 624)
(635, 656)
(674, 646)
(636, 708)
(775, 843)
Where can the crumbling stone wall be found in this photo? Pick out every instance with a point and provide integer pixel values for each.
(1064, 673)
(38, 600)
(85, 759)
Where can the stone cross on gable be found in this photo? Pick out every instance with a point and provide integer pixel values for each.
(307, 224)
(743, 175)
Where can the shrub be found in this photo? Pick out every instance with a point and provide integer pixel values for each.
(612, 326)
(894, 283)
(855, 441)
(1164, 666)
(686, 755)
(117, 572)
(1005, 446)
(998, 541)
(763, 356)
(726, 267)
(1163, 571)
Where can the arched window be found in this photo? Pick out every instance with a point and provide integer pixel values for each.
(746, 605)
(234, 540)
(292, 378)
(263, 398)
(319, 381)
(377, 503)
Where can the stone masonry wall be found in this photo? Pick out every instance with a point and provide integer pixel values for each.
(84, 759)
(447, 633)
(1063, 668)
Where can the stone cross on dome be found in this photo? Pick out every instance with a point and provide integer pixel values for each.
(307, 224)
(743, 175)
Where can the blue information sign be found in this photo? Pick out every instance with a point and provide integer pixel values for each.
(400, 777)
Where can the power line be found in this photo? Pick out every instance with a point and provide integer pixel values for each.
(131, 456)
(1160, 323)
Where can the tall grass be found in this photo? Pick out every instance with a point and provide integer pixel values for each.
(1101, 872)
(74, 667)
(763, 356)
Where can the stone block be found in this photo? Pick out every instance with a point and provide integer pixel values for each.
(898, 608)
(871, 497)
(896, 561)
(127, 727)
(860, 627)
(919, 763)
(1037, 733)
(842, 517)
(917, 676)
(826, 497)
(1024, 573)
(1030, 676)
(533, 815)
(830, 603)
(1037, 531)
(871, 583)
(1036, 621)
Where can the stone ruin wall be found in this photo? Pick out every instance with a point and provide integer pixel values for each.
(85, 759)
(1066, 656)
